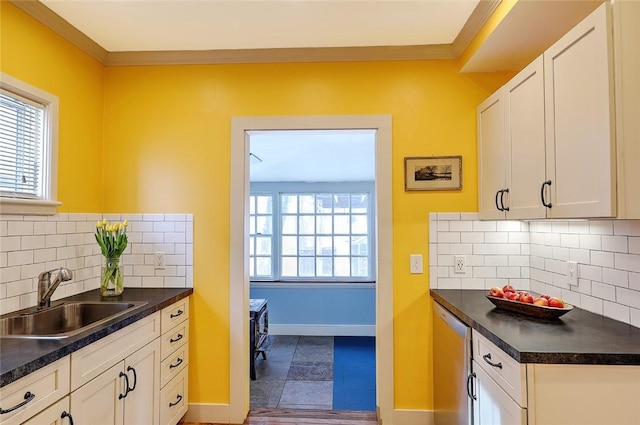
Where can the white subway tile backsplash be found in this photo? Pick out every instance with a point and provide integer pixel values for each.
(534, 255)
(32, 244)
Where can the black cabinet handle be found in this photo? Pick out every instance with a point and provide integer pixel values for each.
(178, 338)
(67, 415)
(179, 397)
(178, 363)
(502, 200)
(497, 195)
(487, 358)
(135, 378)
(548, 182)
(469, 387)
(28, 396)
(126, 380)
(179, 313)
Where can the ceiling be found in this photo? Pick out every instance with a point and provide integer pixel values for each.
(157, 25)
(312, 155)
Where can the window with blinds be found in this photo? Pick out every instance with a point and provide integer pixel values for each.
(21, 146)
(28, 148)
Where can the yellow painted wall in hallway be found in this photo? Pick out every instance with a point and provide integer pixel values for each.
(38, 56)
(167, 142)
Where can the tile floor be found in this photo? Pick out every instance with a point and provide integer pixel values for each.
(308, 372)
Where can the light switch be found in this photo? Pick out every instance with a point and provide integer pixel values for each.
(415, 263)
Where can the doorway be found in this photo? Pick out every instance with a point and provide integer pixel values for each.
(312, 252)
(239, 276)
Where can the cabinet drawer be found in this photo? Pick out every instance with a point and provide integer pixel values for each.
(92, 360)
(173, 339)
(174, 399)
(174, 314)
(506, 371)
(52, 415)
(174, 364)
(42, 388)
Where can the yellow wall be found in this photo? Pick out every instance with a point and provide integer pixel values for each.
(166, 145)
(36, 55)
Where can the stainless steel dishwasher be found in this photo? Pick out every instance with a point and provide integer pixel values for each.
(451, 368)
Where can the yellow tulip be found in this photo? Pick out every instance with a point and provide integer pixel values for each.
(99, 224)
(126, 222)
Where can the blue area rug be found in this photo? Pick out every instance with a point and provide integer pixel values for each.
(354, 373)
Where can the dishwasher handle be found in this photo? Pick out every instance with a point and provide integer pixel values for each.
(470, 387)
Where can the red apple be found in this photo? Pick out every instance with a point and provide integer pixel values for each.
(513, 296)
(526, 297)
(545, 296)
(496, 292)
(556, 302)
(508, 288)
(541, 301)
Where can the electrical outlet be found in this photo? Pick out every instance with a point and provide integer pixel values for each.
(415, 266)
(459, 264)
(572, 273)
(158, 260)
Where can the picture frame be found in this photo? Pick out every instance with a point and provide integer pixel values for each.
(433, 173)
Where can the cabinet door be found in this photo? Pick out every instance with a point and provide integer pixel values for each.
(99, 401)
(491, 156)
(578, 96)
(141, 405)
(525, 143)
(492, 405)
(56, 414)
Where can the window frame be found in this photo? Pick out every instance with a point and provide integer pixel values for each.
(46, 203)
(276, 189)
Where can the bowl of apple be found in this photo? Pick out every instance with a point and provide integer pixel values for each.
(540, 306)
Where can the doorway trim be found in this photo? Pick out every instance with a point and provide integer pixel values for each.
(239, 250)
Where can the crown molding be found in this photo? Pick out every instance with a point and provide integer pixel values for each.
(46, 16)
(478, 18)
(53, 21)
(319, 54)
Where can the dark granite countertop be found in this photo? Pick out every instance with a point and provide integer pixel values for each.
(19, 357)
(578, 337)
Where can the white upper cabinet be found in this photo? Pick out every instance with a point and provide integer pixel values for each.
(511, 152)
(491, 157)
(580, 138)
(568, 143)
(626, 39)
(524, 107)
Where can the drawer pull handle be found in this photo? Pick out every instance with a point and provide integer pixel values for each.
(178, 363)
(126, 381)
(135, 378)
(470, 393)
(173, 316)
(28, 396)
(179, 398)
(487, 358)
(178, 338)
(502, 200)
(67, 415)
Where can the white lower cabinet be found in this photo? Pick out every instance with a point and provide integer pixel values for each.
(34, 393)
(492, 405)
(138, 375)
(56, 414)
(127, 393)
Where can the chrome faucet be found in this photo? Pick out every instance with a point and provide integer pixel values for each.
(46, 288)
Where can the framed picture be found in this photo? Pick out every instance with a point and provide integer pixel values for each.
(433, 173)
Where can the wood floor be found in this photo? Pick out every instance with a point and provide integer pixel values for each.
(304, 417)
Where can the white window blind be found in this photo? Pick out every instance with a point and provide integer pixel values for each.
(21, 146)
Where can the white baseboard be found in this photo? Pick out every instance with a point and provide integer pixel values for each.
(323, 330)
(411, 417)
(208, 413)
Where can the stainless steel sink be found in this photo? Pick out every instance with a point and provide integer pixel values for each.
(63, 320)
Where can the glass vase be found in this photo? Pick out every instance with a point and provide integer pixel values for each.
(111, 280)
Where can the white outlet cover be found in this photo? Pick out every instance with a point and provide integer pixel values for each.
(459, 264)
